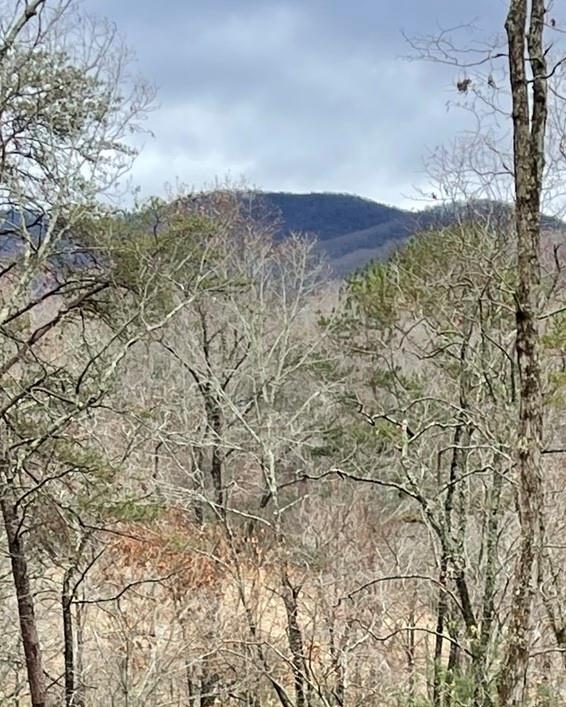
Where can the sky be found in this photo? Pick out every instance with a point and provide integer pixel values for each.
(295, 95)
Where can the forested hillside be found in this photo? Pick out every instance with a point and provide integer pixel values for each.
(353, 231)
(329, 215)
(227, 480)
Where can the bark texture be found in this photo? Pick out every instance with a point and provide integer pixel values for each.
(26, 611)
(524, 30)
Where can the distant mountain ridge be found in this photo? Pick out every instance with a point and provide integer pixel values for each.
(353, 230)
(329, 215)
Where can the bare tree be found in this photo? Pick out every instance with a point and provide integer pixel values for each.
(66, 109)
(529, 112)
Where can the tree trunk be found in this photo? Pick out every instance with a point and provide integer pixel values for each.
(411, 656)
(339, 690)
(215, 425)
(26, 612)
(68, 640)
(442, 606)
(209, 685)
(529, 127)
(290, 594)
(453, 667)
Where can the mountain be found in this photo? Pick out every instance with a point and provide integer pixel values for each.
(352, 230)
(329, 215)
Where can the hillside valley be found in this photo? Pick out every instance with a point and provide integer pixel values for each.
(352, 231)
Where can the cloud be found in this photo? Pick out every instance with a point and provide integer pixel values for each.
(292, 94)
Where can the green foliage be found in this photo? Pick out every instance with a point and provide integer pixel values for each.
(432, 270)
(151, 259)
(554, 338)
(556, 393)
(83, 458)
(373, 294)
(553, 342)
(134, 510)
(323, 369)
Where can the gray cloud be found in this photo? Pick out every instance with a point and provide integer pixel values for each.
(293, 94)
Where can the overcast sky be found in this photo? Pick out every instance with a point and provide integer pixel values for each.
(299, 95)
